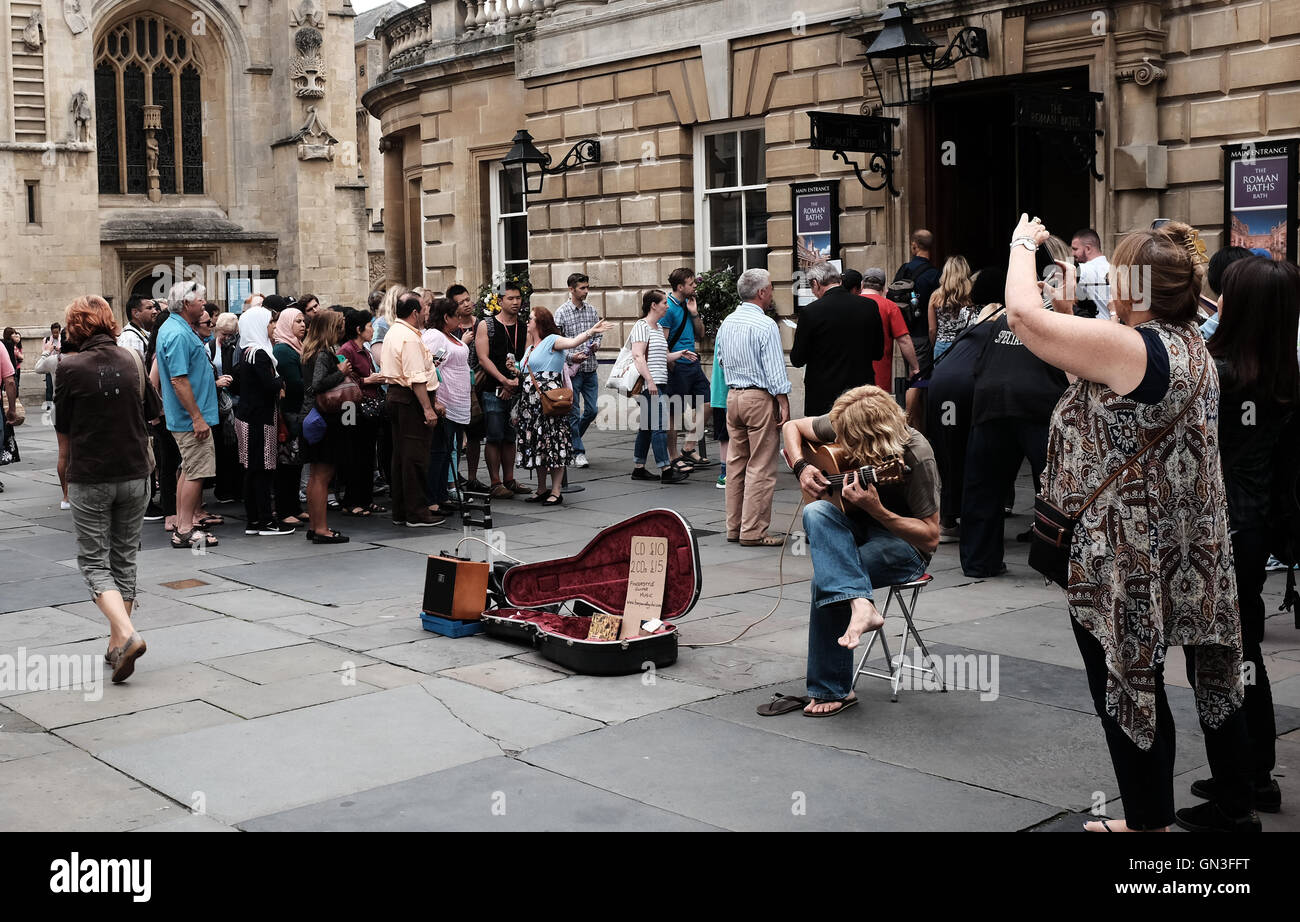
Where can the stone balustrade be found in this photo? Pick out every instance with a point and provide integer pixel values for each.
(406, 37)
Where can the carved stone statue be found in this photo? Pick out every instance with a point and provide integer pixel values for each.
(314, 140)
(307, 68)
(81, 115)
(73, 16)
(306, 15)
(34, 32)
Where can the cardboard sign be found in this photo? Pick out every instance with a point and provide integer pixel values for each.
(645, 584)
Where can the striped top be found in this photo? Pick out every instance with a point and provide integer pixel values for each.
(750, 348)
(656, 349)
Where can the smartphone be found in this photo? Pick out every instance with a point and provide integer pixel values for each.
(341, 357)
(440, 356)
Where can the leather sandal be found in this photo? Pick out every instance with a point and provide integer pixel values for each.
(765, 541)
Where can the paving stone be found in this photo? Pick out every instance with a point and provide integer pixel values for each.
(306, 625)
(44, 627)
(13, 722)
(23, 745)
(1038, 633)
(372, 573)
(149, 613)
(35, 593)
(612, 699)
(501, 674)
(252, 701)
(386, 675)
(498, 795)
(68, 790)
(193, 822)
(167, 720)
(1042, 753)
(21, 567)
(282, 663)
(533, 658)
(258, 767)
(383, 634)
(148, 688)
(730, 776)
(435, 654)
(513, 724)
(250, 604)
(733, 667)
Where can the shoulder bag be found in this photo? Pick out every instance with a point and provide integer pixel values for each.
(558, 401)
(1053, 529)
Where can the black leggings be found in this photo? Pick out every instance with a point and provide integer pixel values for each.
(167, 457)
(257, 482)
(1146, 777)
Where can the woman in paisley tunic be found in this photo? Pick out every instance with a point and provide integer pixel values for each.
(1151, 561)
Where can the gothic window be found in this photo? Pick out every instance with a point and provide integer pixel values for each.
(147, 99)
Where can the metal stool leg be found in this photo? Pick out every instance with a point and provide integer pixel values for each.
(862, 664)
(934, 666)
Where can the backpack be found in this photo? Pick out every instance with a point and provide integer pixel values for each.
(1284, 533)
(900, 292)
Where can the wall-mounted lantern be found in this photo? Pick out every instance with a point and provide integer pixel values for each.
(533, 166)
(902, 45)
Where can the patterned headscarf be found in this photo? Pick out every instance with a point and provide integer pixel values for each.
(284, 328)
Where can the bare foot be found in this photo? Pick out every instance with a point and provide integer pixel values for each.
(1115, 826)
(863, 620)
(825, 707)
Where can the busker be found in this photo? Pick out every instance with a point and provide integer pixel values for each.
(884, 535)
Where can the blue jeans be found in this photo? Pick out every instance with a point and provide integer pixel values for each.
(585, 387)
(849, 559)
(654, 428)
(446, 438)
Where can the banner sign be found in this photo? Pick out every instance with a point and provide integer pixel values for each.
(1259, 200)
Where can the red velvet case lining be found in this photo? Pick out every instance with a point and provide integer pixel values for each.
(598, 575)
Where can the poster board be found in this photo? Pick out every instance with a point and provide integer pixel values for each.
(815, 210)
(1259, 196)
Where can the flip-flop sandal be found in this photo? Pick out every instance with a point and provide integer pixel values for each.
(209, 520)
(844, 705)
(782, 704)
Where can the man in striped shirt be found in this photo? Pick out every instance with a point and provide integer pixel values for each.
(758, 404)
(574, 318)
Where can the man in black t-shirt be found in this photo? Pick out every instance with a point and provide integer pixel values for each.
(881, 537)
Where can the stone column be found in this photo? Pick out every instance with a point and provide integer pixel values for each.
(1139, 169)
(394, 210)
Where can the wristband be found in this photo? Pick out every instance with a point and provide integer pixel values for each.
(799, 467)
(1026, 242)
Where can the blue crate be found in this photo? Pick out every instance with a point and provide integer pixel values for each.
(449, 628)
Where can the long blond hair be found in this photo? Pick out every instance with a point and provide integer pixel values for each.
(954, 284)
(388, 306)
(870, 424)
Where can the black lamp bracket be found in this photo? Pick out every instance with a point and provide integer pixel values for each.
(586, 151)
(970, 42)
(882, 164)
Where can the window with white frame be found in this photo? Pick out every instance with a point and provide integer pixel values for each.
(731, 197)
(509, 223)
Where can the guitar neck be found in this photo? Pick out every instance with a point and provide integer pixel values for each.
(864, 474)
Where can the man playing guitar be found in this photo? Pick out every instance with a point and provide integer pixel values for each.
(886, 536)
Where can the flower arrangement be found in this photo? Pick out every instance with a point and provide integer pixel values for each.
(489, 293)
(715, 294)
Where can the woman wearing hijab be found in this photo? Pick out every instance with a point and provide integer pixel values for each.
(287, 352)
(259, 387)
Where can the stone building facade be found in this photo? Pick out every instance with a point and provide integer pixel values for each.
(701, 110)
(137, 136)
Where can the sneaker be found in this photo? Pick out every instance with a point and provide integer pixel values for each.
(1275, 564)
(949, 533)
(640, 473)
(274, 528)
(253, 528)
(721, 482)
(154, 513)
(302, 496)
(1268, 796)
(65, 505)
(425, 523)
(581, 460)
(1209, 817)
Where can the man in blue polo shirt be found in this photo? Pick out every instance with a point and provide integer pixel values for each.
(189, 394)
(688, 387)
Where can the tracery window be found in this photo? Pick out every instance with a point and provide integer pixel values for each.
(149, 110)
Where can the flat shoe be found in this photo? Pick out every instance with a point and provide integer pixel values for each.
(123, 658)
(537, 498)
(844, 705)
(782, 704)
(553, 500)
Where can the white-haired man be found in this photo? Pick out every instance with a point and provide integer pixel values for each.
(758, 404)
(839, 337)
(189, 394)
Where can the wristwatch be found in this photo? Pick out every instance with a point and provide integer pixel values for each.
(1026, 242)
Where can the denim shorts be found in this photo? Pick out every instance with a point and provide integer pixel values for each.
(687, 379)
(496, 417)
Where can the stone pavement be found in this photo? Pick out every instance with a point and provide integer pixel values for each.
(289, 686)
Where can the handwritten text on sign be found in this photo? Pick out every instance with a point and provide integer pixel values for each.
(645, 583)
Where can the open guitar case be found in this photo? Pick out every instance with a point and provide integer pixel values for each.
(596, 579)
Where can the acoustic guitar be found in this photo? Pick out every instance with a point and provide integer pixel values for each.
(831, 459)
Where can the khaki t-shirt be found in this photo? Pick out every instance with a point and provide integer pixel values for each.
(917, 497)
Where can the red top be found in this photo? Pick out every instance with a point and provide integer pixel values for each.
(895, 327)
(362, 367)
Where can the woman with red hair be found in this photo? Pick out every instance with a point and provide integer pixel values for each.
(102, 398)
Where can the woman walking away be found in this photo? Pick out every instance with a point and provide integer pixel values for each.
(442, 337)
(368, 419)
(650, 352)
(1150, 562)
(102, 399)
(546, 442)
(322, 370)
(1261, 395)
(290, 328)
(950, 304)
(259, 387)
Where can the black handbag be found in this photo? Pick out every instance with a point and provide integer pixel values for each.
(1053, 529)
